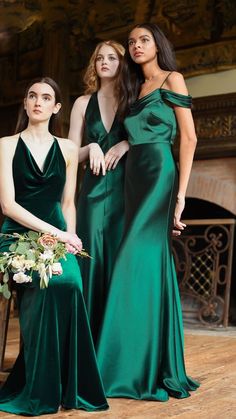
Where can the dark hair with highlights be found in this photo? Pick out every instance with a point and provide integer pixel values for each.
(55, 127)
(131, 75)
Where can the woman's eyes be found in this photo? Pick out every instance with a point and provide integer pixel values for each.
(32, 96)
(111, 58)
(130, 43)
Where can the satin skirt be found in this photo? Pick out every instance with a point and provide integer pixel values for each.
(57, 364)
(140, 348)
(100, 218)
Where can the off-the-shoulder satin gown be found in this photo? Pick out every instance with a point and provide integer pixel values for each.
(140, 348)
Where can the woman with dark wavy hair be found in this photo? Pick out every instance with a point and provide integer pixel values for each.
(140, 349)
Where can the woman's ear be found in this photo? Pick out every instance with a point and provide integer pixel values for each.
(57, 107)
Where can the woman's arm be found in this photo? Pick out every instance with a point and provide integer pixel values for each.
(188, 141)
(92, 151)
(70, 150)
(11, 208)
(76, 129)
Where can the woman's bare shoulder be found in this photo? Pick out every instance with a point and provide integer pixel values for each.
(9, 141)
(176, 83)
(81, 102)
(67, 145)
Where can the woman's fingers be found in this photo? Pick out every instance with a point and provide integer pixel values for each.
(73, 242)
(112, 160)
(176, 233)
(97, 164)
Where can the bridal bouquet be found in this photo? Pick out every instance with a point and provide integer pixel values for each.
(32, 252)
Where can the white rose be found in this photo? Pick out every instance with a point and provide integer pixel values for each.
(20, 277)
(28, 264)
(18, 262)
(47, 254)
(57, 268)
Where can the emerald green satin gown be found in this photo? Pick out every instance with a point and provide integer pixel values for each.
(100, 215)
(140, 348)
(57, 363)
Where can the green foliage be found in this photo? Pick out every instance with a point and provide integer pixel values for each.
(32, 252)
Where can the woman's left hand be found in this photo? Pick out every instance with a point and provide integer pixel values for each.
(113, 156)
(178, 224)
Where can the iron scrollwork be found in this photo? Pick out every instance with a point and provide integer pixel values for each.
(203, 258)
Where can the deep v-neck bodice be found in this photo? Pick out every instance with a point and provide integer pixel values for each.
(39, 192)
(100, 115)
(95, 130)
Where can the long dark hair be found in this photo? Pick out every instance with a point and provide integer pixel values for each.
(131, 74)
(55, 126)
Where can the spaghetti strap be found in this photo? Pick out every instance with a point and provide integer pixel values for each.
(165, 79)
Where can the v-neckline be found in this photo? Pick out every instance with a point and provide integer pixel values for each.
(45, 165)
(100, 116)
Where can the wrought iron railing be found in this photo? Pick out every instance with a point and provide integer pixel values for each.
(203, 257)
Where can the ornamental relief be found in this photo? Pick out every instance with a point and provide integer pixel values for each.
(220, 126)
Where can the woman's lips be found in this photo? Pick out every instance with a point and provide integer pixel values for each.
(138, 54)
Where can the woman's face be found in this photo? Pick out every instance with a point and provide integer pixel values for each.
(40, 103)
(107, 62)
(142, 46)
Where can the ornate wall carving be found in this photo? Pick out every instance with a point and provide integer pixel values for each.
(56, 38)
(215, 122)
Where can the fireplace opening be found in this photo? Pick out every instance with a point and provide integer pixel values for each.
(205, 267)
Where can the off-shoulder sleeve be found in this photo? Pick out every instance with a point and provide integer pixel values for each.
(176, 98)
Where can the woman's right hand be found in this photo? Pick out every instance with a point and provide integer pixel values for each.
(73, 242)
(97, 160)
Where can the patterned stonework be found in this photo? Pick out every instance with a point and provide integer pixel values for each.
(214, 181)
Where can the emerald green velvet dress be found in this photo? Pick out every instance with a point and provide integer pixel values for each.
(57, 364)
(100, 215)
(140, 349)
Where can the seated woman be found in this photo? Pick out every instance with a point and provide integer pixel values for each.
(57, 364)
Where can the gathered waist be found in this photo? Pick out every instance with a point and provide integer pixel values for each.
(145, 142)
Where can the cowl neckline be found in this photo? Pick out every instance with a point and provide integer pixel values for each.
(47, 161)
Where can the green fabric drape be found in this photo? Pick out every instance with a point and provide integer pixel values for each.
(57, 364)
(140, 349)
(100, 215)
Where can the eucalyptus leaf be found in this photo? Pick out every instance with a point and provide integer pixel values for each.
(33, 235)
(22, 248)
(30, 255)
(6, 277)
(5, 291)
(34, 245)
(13, 247)
(6, 294)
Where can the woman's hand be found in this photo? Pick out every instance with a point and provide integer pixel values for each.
(178, 225)
(72, 241)
(113, 156)
(96, 158)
